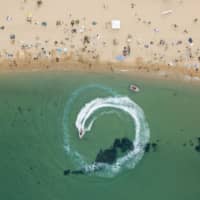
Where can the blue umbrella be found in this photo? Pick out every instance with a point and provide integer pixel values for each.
(120, 57)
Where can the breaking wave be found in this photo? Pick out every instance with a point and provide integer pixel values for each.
(84, 122)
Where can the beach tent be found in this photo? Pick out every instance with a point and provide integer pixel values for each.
(115, 24)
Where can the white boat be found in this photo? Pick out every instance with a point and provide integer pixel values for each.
(134, 88)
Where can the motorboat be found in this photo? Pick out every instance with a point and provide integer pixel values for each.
(134, 88)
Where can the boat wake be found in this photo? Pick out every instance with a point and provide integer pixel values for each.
(85, 120)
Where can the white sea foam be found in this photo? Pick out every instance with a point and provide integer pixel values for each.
(142, 132)
(87, 117)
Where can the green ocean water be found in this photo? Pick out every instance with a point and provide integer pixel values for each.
(32, 138)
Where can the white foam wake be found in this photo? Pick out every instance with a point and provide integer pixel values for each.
(142, 132)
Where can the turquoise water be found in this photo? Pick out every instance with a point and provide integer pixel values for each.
(32, 138)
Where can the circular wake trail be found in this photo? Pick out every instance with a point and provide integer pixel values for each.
(122, 103)
(141, 133)
(85, 120)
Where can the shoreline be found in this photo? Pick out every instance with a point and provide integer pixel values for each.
(66, 63)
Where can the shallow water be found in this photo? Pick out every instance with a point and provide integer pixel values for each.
(32, 138)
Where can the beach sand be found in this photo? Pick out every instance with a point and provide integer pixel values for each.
(156, 37)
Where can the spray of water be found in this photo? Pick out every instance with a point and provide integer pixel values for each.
(87, 114)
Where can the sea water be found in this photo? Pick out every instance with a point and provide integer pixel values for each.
(39, 137)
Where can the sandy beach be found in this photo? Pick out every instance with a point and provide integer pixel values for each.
(156, 37)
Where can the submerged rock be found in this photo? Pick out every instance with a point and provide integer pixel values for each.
(117, 143)
(197, 148)
(147, 147)
(67, 172)
(19, 108)
(107, 156)
(78, 172)
(126, 145)
(110, 155)
(154, 146)
(151, 146)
